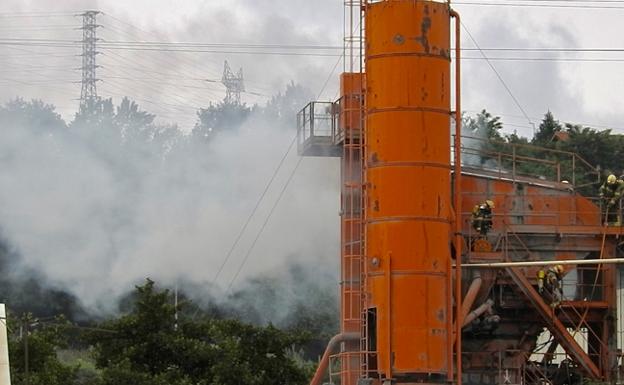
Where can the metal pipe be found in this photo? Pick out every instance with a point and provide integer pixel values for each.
(471, 295)
(331, 347)
(546, 263)
(487, 305)
(457, 189)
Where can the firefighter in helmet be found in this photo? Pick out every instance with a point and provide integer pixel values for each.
(551, 280)
(610, 194)
(482, 217)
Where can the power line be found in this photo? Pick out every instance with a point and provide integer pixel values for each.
(264, 224)
(572, 1)
(158, 80)
(548, 59)
(102, 46)
(167, 45)
(500, 78)
(135, 28)
(253, 212)
(172, 63)
(261, 230)
(545, 49)
(536, 5)
(35, 15)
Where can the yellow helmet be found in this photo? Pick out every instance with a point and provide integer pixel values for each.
(611, 179)
(490, 203)
(559, 269)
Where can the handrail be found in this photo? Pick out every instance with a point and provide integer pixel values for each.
(566, 165)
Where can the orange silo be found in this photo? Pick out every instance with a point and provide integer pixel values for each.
(408, 189)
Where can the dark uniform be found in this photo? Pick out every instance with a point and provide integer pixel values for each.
(551, 280)
(610, 194)
(482, 217)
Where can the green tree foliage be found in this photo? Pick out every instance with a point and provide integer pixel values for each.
(482, 138)
(220, 117)
(547, 129)
(130, 119)
(484, 125)
(597, 147)
(41, 342)
(35, 115)
(543, 157)
(149, 346)
(284, 107)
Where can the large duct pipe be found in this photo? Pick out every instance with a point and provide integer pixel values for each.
(331, 347)
(477, 312)
(471, 295)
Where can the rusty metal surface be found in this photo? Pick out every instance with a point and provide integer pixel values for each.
(408, 221)
(556, 327)
(352, 269)
(399, 209)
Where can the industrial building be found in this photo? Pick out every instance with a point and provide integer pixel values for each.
(424, 297)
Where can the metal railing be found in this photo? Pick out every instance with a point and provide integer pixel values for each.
(317, 120)
(516, 161)
(547, 209)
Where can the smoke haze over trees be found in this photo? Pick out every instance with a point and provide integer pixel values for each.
(92, 206)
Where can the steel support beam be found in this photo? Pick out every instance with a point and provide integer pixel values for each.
(552, 262)
(554, 325)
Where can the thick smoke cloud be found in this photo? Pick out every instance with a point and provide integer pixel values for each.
(96, 216)
(94, 222)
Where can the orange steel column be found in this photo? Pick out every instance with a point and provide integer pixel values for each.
(407, 171)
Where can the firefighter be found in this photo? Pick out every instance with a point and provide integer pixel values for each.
(482, 217)
(551, 279)
(610, 194)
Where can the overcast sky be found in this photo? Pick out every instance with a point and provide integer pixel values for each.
(175, 84)
(171, 85)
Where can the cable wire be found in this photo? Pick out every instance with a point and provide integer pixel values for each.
(261, 230)
(264, 224)
(500, 78)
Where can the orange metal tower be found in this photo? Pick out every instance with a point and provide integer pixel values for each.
(391, 128)
(408, 315)
(408, 188)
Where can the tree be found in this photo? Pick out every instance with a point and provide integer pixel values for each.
(547, 129)
(35, 348)
(98, 116)
(481, 139)
(221, 117)
(35, 116)
(132, 122)
(598, 147)
(284, 107)
(484, 125)
(149, 346)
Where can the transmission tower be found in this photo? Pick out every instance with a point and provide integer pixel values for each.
(88, 94)
(234, 84)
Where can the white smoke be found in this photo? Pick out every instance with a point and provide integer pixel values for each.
(95, 219)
